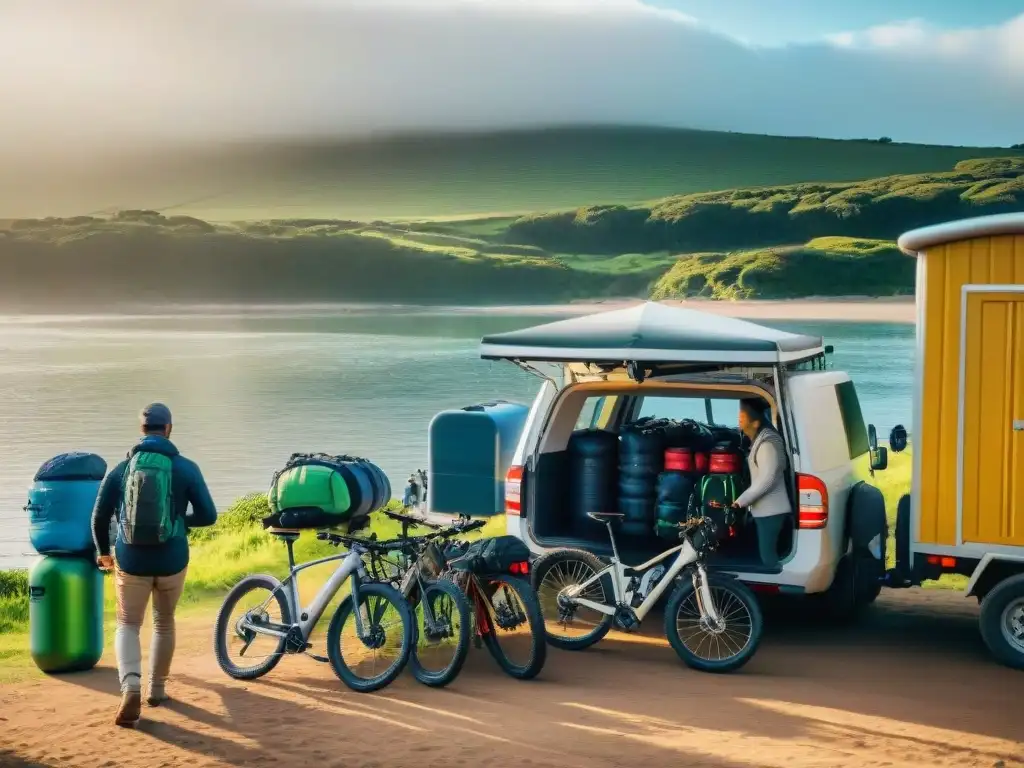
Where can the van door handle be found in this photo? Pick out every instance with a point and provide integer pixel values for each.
(1018, 425)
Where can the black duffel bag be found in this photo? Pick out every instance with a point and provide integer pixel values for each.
(495, 555)
(305, 518)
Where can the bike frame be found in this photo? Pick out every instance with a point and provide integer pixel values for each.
(350, 567)
(412, 580)
(687, 556)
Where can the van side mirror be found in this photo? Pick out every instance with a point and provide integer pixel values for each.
(872, 438)
(879, 459)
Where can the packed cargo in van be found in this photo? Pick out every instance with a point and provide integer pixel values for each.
(658, 453)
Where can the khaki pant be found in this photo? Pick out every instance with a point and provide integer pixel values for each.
(133, 593)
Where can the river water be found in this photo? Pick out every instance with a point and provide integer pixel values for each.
(248, 388)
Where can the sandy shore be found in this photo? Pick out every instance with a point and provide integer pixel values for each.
(851, 309)
(895, 310)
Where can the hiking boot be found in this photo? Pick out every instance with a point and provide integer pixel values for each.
(156, 696)
(130, 710)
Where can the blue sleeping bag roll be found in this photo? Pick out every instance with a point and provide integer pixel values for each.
(60, 503)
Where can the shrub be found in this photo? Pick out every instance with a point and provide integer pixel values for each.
(247, 512)
(13, 583)
(13, 600)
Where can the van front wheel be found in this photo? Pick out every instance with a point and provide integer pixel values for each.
(1002, 621)
(839, 604)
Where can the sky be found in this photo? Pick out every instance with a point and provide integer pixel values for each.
(78, 76)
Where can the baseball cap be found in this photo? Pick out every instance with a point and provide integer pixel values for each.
(155, 415)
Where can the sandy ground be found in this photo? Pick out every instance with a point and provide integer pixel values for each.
(853, 309)
(910, 686)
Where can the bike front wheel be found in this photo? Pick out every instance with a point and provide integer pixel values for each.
(567, 624)
(714, 648)
(443, 627)
(511, 625)
(371, 662)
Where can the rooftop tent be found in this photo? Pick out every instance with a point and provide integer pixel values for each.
(652, 333)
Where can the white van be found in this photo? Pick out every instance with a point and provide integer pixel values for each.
(610, 369)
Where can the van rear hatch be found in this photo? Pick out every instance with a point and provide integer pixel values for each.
(652, 334)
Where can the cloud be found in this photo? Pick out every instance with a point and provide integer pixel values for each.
(995, 47)
(87, 74)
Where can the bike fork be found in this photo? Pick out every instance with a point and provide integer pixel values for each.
(705, 600)
(362, 631)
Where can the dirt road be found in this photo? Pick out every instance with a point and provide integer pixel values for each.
(910, 686)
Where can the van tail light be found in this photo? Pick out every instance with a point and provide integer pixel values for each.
(813, 510)
(513, 491)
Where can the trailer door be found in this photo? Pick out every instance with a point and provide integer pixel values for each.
(992, 416)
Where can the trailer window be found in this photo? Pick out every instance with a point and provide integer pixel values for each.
(853, 419)
(597, 412)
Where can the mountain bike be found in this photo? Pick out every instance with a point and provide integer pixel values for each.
(413, 566)
(383, 624)
(507, 619)
(713, 621)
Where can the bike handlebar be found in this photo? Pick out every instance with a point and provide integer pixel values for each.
(410, 520)
(463, 525)
(338, 539)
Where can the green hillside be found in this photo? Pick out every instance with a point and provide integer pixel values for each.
(825, 266)
(782, 215)
(809, 239)
(447, 175)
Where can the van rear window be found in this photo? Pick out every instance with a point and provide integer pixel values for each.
(853, 419)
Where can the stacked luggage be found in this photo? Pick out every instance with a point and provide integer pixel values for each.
(65, 586)
(593, 473)
(641, 459)
(666, 472)
(678, 490)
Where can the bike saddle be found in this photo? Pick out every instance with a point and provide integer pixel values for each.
(605, 517)
(285, 533)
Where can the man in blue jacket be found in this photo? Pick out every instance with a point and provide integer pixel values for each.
(149, 494)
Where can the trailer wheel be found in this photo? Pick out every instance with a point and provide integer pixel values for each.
(1002, 621)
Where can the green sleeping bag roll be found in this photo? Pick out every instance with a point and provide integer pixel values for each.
(311, 485)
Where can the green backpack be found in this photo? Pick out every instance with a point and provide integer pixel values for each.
(717, 493)
(147, 513)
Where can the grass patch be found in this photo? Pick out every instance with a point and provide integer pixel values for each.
(221, 554)
(13, 602)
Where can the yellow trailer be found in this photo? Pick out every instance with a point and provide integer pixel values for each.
(965, 512)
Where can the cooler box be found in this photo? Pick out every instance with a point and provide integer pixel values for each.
(469, 453)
